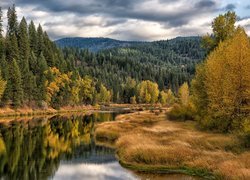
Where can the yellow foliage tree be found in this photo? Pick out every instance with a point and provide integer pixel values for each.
(228, 79)
(2, 86)
(148, 92)
(56, 81)
(184, 94)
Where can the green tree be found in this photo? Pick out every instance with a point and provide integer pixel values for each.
(223, 28)
(33, 37)
(16, 84)
(1, 35)
(41, 78)
(12, 21)
(198, 90)
(24, 49)
(40, 40)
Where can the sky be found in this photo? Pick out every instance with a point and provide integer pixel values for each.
(143, 20)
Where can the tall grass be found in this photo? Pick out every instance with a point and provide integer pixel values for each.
(170, 145)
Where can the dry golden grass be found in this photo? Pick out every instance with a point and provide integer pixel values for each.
(148, 139)
(28, 111)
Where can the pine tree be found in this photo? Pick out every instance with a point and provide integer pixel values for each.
(16, 84)
(1, 35)
(40, 40)
(24, 50)
(12, 22)
(33, 38)
(40, 78)
(12, 51)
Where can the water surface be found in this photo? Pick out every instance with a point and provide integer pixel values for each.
(61, 148)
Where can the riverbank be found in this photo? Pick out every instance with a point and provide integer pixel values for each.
(27, 111)
(146, 141)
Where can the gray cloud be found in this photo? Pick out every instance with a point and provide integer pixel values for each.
(112, 17)
(205, 4)
(124, 9)
(230, 7)
(248, 6)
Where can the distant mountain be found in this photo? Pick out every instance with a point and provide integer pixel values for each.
(93, 44)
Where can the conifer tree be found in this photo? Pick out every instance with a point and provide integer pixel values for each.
(1, 35)
(40, 78)
(24, 49)
(33, 38)
(12, 21)
(40, 40)
(16, 84)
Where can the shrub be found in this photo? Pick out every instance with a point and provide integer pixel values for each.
(179, 112)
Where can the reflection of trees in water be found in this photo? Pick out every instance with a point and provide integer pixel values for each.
(33, 149)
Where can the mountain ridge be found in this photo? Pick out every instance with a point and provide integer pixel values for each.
(96, 44)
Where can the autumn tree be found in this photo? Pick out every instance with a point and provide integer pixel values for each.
(227, 81)
(148, 92)
(104, 96)
(163, 98)
(2, 86)
(170, 97)
(55, 84)
(184, 94)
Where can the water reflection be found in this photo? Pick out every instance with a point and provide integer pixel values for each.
(34, 149)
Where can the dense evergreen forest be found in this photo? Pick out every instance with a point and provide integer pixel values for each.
(168, 63)
(93, 44)
(35, 72)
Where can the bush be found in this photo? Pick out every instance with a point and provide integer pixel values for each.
(179, 112)
(246, 133)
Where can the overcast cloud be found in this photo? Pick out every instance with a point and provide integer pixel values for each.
(127, 19)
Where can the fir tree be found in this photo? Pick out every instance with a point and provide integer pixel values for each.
(16, 84)
(33, 37)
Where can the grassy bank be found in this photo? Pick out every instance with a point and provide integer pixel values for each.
(27, 111)
(146, 141)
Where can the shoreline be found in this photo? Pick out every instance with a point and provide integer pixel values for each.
(27, 111)
(147, 142)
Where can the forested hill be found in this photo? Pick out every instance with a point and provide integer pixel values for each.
(97, 44)
(93, 44)
(169, 63)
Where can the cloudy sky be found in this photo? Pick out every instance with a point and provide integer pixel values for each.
(128, 19)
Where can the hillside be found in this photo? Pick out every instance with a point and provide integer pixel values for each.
(93, 44)
(169, 63)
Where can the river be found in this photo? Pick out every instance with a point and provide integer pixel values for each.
(61, 148)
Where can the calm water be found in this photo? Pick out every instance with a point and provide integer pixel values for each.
(61, 148)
